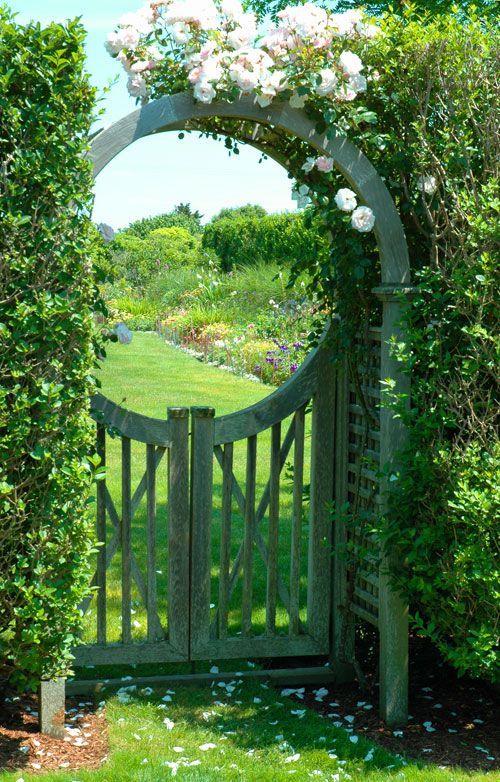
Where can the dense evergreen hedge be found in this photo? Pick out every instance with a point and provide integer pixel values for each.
(46, 345)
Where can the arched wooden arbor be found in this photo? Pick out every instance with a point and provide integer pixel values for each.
(193, 634)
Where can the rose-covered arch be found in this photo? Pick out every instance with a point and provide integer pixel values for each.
(180, 111)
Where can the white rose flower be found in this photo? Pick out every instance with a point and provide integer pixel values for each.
(137, 86)
(358, 83)
(130, 37)
(204, 91)
(350, 63)
(297, 101)
(328, 81)
(427, 184)
(232, 8)
(137, 21)
(113, 43)
(181, 32)
(346, 199)
(363, 219)
(309, 164)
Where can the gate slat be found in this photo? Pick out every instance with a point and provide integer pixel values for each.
(126, 529)
(101, 537)
(249, 535)
(178, 531)
(298, 486)
(274, 511)
(227, 492)
(152, 607)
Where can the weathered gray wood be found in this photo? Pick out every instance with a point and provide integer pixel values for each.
(249, 532)
(142, 485)
(51, 701)
(298, 487)
(152, 603)
(393, 612)
(342, 634)
(202, 458)
(101, 538)
(233, 648)
(126, 541)
(173, 112)
(225, 545)
(179, 524)
(322, 450)
(276, 676)
(274, 513)
(132, 425)
(127, 654)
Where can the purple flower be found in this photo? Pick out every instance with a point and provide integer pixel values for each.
(298, 345)
(293, 367)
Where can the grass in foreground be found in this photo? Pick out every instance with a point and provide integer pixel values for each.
(251, 733)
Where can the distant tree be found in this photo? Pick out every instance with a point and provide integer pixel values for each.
(233, 212)
(181, 216)
(483, 7)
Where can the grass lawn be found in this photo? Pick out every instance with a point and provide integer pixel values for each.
(148, 376)
(253, 734)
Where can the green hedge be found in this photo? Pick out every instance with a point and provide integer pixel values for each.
(249, 240)
(46, 345)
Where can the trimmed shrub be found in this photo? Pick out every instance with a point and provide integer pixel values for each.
(46, 344)
(180, 217)
(250, 240)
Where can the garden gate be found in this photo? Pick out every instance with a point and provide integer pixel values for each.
(317, 595)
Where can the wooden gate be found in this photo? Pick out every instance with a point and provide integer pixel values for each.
(192, 615)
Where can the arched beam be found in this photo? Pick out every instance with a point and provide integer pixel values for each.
(175, 112)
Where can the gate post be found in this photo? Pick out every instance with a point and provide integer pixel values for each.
(393, 612)
(202, 468)
(178, 532)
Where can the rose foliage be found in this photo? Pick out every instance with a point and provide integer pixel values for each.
(46, 346)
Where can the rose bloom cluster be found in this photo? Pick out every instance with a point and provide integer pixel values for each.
(221, 53)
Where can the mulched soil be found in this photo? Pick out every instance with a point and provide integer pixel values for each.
(454, 721)
(22, 747)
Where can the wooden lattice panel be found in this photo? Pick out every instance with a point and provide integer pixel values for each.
(362, 473)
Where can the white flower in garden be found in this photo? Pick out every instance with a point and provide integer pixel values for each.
(328, 81)
(427, 184)
(346, 199)
(297, 101)
(309, 164)
(181, 32)
(301, 195)
(137, 86)
(232, 9)
(369, 31)
(324, 164)
(307, 21)
(350, 63)
(270, 84)
(204, 91)
(136, 21)
(113, 43)
(357, 83)
(201, 13)
(363, 220)
(142, 65)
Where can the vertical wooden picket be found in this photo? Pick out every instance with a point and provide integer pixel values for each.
(298, 488)
(322, 448)
(178, 527)
(101, 537)
(274, 512)
(126, 541)
(248, 544)
(152, 603)
(202, 456)
(225, 545)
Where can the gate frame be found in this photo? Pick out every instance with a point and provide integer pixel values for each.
(178, 111)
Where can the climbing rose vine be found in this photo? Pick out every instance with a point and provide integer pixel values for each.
(221, 53)
(217, 50)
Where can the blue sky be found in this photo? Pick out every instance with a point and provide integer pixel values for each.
(156, 173)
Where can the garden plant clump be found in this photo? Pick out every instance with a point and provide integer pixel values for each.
(419, 95)
(47, 338)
